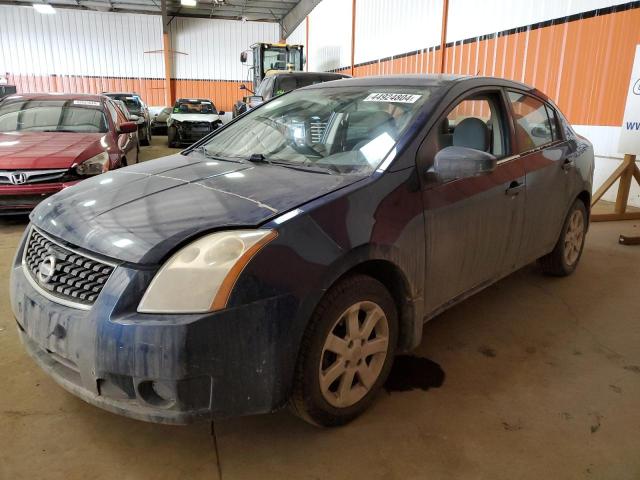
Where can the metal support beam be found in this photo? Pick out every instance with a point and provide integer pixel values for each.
(353, 34)
(296, 16)
(443, 33)
(166, 50)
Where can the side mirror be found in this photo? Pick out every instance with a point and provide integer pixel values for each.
(221, 112)
(243, 87)
(255, 99)
(126, 127)
(243, 57)
(452, 163)
(134, 118)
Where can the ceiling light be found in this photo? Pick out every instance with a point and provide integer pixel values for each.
(44, 8)
(188, 3)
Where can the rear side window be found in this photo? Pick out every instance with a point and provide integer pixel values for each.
(533, 128)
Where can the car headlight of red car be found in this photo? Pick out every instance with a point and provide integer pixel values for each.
(94, 165)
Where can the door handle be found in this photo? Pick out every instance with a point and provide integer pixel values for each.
(515, 188)
(568, 164)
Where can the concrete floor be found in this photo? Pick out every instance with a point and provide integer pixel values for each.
(542, 381)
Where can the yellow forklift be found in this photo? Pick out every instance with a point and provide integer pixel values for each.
(268, 57)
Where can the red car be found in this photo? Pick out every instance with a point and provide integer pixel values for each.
(51, 141)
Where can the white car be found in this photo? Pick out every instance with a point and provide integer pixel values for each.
(192, 119)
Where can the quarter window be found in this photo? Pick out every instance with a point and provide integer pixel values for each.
(532, 125)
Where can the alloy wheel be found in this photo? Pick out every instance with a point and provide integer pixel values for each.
(574, 237)
(354, 354)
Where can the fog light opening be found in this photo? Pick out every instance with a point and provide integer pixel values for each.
(158, 394)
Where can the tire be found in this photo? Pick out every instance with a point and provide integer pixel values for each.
(146, 139)
(334, 400)
(564, 257)
(172, 134)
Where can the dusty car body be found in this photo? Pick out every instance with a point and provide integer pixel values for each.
(409, 201)
(39, 158)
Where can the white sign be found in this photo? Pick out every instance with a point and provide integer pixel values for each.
(630, 134)
(392, 97)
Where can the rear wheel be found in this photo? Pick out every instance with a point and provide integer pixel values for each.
(172, 136)
(566, 254)
(346, 352)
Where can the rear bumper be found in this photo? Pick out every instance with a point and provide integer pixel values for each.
(17, 199)
(172, 369)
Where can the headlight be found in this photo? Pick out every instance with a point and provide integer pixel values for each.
(199, 278)
(171, 121)
(95, 165)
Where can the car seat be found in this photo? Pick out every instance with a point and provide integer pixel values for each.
(472, 133)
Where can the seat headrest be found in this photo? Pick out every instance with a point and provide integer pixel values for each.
(369, 119)
(472, 133)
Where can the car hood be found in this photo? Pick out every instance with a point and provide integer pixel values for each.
(194, 117)
(140, 213)
(26, 150)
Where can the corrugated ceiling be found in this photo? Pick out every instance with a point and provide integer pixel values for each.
(256, 10)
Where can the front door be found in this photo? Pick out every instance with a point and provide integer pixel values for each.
(474, 224)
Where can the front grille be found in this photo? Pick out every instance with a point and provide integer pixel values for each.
(75, 278)
(27, 177)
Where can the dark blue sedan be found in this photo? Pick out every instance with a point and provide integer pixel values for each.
(285, 258)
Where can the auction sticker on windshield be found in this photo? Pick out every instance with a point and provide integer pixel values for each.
(392, 97)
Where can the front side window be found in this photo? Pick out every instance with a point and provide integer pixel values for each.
(82, 116)
(532, 125)
(475, 122)
(346, 130)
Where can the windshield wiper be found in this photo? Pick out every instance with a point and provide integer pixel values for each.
(260, 158)
(203, 150)
(59, 130)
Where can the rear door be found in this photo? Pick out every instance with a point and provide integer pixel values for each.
(473, 224)
(546, 160)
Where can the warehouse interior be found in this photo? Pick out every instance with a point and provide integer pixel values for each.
(532, 377)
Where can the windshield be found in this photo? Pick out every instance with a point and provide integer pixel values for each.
(83, 116)
(278, 58)
(132, 102)
(194, 106)
(341, 129)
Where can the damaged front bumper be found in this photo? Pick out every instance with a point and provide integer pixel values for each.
(171, 369)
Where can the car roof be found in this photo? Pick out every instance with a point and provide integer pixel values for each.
(57, 96)
(187, 99)
(309, 74)
(131, 94)
(421, 80)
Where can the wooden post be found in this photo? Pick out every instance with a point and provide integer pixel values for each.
(625, 172)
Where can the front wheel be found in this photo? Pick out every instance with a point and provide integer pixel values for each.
(146, 139)
(172, 136)
(346, 353)
(564, 258)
